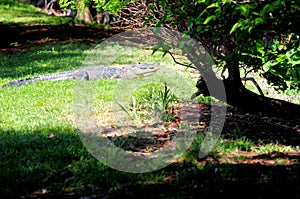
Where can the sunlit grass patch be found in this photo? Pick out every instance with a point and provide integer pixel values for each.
(243, 151)
(35, 106)
(271, 147)
(15, 12)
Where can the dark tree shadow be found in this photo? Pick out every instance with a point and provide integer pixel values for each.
(220, 181)
(257, 127)
(25, 36)
(56, 160)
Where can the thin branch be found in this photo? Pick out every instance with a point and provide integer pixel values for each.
(255, 83)
(174, 59)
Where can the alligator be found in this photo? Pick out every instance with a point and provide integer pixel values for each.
(94, 73)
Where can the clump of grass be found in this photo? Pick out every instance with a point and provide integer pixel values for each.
(273, 147)
(150, 100)
(226, 146)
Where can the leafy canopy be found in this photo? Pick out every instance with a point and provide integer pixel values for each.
(109, 5)
(262, 36)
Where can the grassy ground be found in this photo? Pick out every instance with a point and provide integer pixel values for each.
(42, 156)
(14, 12)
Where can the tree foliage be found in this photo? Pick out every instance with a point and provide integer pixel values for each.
(252, 35)
(261, 36)
(113, 6)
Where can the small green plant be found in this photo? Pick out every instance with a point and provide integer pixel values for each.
(267, 148)
(162, 102)
(132, 112)
(226, 146)
(166, 97)
(146, 104)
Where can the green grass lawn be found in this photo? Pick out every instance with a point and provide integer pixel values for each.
(40, 145)
(41, 154)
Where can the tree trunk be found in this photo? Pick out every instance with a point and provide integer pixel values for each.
(85, 15)
(246, 100)
(240, 97)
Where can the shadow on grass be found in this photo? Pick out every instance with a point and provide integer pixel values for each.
(219, 181)
(30, 161)
(51, 163)
(49, 160)
(257, 127)
(17, 37)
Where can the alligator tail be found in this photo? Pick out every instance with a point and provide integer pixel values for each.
(53, 77)
(18, 82)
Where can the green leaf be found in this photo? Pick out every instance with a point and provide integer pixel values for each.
(208, 19)
(213, 5)
(281, 58)
(151, 7)
(202, 13)
(256, 13)
(268, 8)
(258, 21)
(290, 53)
(234, 27)
(294, 63)
(250, 28)
(244, 10)
(169, 18)
(268, 65)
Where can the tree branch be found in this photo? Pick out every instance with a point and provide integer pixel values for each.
(174, 59)
(255, 84)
